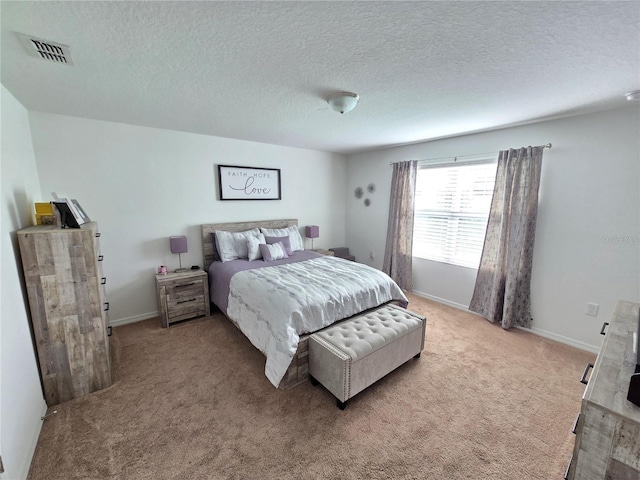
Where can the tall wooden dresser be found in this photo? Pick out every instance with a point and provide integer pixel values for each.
(65, 286)
(608, 428)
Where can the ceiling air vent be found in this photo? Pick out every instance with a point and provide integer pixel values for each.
(46, 50)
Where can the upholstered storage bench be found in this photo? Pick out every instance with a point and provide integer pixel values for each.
(349, 356)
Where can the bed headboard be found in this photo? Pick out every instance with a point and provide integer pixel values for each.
(210, 254)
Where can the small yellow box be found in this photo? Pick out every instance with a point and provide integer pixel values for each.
(43, 208)
(42, 219)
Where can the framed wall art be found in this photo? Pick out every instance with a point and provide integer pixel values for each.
(248, 183)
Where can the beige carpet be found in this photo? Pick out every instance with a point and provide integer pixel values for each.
(192, 402)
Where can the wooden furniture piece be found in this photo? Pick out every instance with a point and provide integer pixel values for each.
(608, 427)
(65, 286)
(182, 295)
(298, 371)
(352, 355)
(323, 252)
(342, 252)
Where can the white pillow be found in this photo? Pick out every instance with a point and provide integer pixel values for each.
(292, 232)
(253, 245)
(233, 245)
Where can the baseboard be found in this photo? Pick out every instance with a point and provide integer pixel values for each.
(444, 301)
(33, 443)
(537, 331)
(561, 339)
(134, 319)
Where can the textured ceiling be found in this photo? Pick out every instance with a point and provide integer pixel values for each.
(260, 70)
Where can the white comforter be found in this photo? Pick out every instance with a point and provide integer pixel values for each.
(273, 306)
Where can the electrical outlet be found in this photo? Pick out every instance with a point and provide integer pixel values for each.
(592, 309)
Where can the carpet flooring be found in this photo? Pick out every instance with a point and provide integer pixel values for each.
(192, 402)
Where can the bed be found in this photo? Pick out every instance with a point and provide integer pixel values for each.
(277, 304)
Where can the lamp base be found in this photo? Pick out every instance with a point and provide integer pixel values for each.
(178, 270)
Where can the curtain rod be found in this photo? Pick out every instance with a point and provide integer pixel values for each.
(548, 145)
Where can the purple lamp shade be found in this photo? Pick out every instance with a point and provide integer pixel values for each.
(312, 231)
(178, 244)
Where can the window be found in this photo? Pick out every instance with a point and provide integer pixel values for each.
(451, 211)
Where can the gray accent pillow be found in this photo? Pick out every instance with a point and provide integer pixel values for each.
(273, 252)
(284, 240)
(294, 236)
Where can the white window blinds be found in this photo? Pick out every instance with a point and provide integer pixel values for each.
(451, 211)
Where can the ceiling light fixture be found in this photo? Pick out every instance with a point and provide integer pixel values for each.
(635, 95)
(343, 102)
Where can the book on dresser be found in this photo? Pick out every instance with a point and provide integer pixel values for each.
(69, 312)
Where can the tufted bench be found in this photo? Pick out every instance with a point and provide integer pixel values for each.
(351, 355)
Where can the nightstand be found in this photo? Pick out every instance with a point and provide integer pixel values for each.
(182, 295)
(323, 252)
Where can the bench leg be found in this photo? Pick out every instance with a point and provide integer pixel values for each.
(313, 381)
(418, 355)
(341, 405)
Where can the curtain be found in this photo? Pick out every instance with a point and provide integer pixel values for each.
(397, 253)
(502, 291)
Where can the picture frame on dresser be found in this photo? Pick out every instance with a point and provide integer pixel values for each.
(67, 218)
(72, 215)
(79, 212)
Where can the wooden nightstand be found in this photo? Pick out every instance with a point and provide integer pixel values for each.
(182, 295)
(323, 252)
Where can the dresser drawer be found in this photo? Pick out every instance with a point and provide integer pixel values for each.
(184, 290)
(185, 306)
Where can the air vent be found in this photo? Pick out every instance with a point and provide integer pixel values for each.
(46, 50)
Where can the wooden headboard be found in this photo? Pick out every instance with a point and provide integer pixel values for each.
(210, 254)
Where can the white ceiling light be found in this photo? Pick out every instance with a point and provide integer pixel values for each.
(343, 102)
(635, 95)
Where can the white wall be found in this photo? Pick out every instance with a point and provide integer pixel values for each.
(143, 184)
(21, 399)
(588, 231)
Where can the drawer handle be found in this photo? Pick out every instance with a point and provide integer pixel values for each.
(187, 301)
(106, 306)
(584, 374)
(575, 425)
(100, 258)
(604, 326)
(104, 281)
(109, 331)
(97, 234)
(185, 285)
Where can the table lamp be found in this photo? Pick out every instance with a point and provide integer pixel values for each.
(179, 246)
(312, 231)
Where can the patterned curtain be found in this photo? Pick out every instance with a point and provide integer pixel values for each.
(397, 253)
(503, 286)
